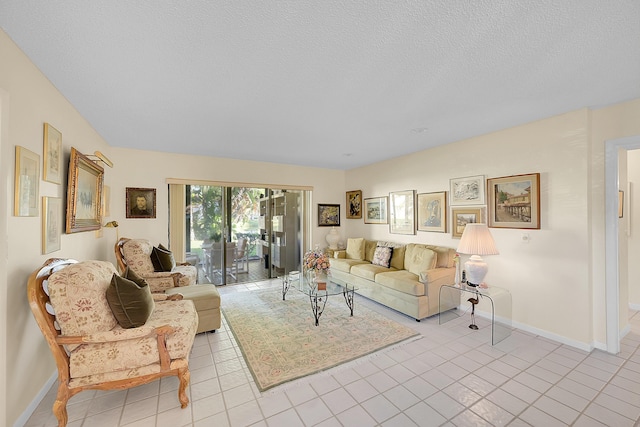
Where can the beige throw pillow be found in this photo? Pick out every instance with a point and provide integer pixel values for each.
(355, 248)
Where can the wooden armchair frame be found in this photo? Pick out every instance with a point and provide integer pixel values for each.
(41, 308)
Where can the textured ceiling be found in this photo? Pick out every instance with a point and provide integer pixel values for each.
(332, 83)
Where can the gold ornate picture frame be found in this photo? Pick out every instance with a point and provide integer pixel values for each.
(354, 204)
(84, 194)
(26, 183)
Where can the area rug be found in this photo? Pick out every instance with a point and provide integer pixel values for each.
(280, 342)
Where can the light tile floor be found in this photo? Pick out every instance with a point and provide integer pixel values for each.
(450, 377)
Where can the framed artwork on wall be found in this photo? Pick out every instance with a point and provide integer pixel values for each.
(51, 224)
(432, 212)
(328, 215)
(401, 212)
(460, 217)
(141, 202)
(375, 210)
(84, 194)
(27, 183)
(514, 201)
(468, 190)
(52, 149)
(354, 204)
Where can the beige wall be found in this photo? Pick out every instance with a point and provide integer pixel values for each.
(556, 280)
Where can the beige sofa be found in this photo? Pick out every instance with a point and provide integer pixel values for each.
(409, 285)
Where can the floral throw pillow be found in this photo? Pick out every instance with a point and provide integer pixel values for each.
(382, 256)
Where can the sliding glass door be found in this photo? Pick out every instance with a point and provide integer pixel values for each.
(242, 234)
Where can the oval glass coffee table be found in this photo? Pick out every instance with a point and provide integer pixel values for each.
(318, 297)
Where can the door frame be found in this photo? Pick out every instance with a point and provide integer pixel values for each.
(612, 255)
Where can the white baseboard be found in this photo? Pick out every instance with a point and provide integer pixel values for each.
(30, 409)
(634, 307)
(542, 333)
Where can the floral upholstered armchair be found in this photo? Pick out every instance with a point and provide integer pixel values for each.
(137, 255)
(92, 350)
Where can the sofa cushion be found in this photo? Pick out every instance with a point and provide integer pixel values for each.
(162, 259)
(382, 256)
(131, 304)
(445, 256)
(397, 258)
(370, 249)
(131, 275)
(402, 281)
(419, 258)
(368, 271)
(343, 264)
(355, 248)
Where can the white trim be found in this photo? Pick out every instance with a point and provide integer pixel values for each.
(634, 307)
(612, 287)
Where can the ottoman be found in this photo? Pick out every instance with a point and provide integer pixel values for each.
(206, 298)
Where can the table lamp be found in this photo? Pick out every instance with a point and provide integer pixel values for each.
(476, 240)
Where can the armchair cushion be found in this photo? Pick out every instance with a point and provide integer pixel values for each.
(130, 303)
(77, 295)
(162, 259)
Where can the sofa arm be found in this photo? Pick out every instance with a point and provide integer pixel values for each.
(436, 277)
(340, 254)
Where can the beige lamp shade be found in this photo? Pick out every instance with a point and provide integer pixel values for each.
(476, 240)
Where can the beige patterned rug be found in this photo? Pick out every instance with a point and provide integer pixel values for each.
(281, 343)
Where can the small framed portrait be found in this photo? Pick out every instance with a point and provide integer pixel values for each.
(514, 201)
(328, 215)
(375, 210)
(141, 202)
(432, 212)
(354, 204)
(460, 217)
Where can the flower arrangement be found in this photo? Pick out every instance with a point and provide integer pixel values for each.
(316, 260)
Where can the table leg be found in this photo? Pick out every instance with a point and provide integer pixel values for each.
(349, 297)
(317, 305)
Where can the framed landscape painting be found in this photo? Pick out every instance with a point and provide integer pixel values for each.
(466, 191)
(84, 194)
(460, 217)
(514, 201)
(401, 212)
(375, 210)
(432, 212)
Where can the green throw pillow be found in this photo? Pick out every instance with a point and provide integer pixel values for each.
(131, 304)
(131, 275)
(162, 259)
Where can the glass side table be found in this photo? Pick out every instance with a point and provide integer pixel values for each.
(495, 300)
